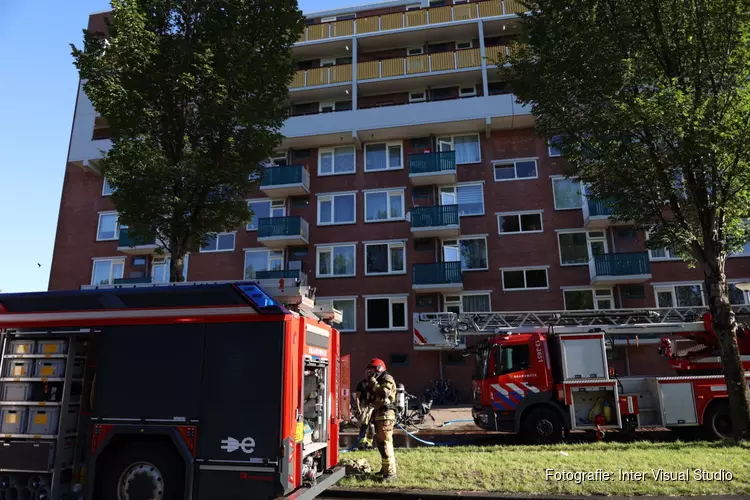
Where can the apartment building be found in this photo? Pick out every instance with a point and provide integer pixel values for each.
(410, 180)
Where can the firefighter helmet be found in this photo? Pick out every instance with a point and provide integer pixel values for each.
(377, 364)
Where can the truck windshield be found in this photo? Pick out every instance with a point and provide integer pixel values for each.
(482, 355)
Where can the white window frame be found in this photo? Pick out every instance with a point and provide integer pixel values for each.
(418, 99)
(745, 294)
(455, 192)
(324, 104)
(593, 290)
(330, 301)
(388, 192)
(669, 256)
(553, 178)
(164, 260)
(112, 261)
(451, 139)
(503, 270)
(512, 162)
(472, 93)
(234, 243)
(99, 225)
(332, 150)
(589, 240)
(549, 149)
(328, 62)
(460, 303)
(519, 214)
(458, 241)
(392, 299)
(388, 166)
(461, 42)
(393, 244)
(268, 252)
(274, 204)
(329, 247)
(420, 48)
(106, 185)
(332, 198)
(414, 6)
(672, 288)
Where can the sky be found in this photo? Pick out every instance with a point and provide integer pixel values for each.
(38, 85)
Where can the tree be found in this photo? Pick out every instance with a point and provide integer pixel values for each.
(649, 101)
(195, 94)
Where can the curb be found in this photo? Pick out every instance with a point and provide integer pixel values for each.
(392, 494)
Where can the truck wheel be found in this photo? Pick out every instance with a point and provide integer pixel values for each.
(542, 426)
(142, 470)
(717, 421)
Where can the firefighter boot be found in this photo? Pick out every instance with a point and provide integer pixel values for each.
(384, 433)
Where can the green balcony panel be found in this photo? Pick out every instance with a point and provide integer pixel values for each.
(599, 208)
(427, 163)
(128, 240)
(280, 176)
(437, 216)
(437, 273)
(622, 264)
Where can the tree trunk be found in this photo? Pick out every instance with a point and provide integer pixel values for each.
(725, 328)
(176, 265)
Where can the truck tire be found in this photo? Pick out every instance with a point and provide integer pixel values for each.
(542, 426)
(142, 470)
(717, 422)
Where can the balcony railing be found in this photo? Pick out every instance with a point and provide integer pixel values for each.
(131, 281)
(127, 240)
(496, 54)
(410, 19)
(439, 273)
(437, 216)
(426, 163)
(285, 175)
(322, 76)
(599, 208)
(283, 227)
(413, 65)
(620, 264)
(285, 274)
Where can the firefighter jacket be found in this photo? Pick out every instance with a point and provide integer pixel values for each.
(383, 392)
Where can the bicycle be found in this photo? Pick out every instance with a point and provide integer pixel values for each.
(414, 415)
(442, 393)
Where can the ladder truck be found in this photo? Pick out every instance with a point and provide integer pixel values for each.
(186, 391)
(543, 374)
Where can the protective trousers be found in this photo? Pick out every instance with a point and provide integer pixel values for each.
(366, 434)
(384, 433)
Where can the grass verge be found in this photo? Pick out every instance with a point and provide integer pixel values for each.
(522, 469)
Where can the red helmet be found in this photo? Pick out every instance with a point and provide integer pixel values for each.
(377, 364)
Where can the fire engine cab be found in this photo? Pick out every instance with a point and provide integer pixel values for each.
(175, 392)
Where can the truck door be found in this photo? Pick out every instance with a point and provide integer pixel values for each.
(344, 388)
(515, 379)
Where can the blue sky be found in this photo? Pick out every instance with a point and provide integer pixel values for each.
(37, 99)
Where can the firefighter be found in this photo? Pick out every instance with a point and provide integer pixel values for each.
(382, 389)
(364, 413)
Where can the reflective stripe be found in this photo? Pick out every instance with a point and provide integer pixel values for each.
(530, 387)
(500, 389)
(517, 389)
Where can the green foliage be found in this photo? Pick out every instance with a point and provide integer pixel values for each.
(195, 95)
(653, 104)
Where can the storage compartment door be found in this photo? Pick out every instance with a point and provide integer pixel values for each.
(227, 482)
(678, 403)
(242, 392)
(344, 374)
(584, 358)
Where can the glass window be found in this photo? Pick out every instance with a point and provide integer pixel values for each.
(336, 209)
(385, 258)
(108, 228)
(336, 161)
(106, 188)
(576, 300)
(476, 303)
(262, 260)
(689, 296)
(348, 311)
(336, 261)
(737, 297)
(470, 199)
(573, 248)
(384, 205)
(567, 193)
(263, 209)
(512, 170)
(222, 242)
(106, 271)
(385, 314)
(160, 269)
(554, 146)
(519, 223)
(525, 279)
(466, 147)
(384, 156)
(472, 252)
(512, 359)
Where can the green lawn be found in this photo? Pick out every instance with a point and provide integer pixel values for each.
(521, 469)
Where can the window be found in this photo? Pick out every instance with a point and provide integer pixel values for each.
(577, 247)
(465, 44)
(525, 279)
(466, 147)
(279, 159)
(510, 170)
(418, 96)
(326, 63)
(599, 298)
(415, 6)
(160, 269)
(467, 303)
(221, 242)
(469, 197)
(737, 297)
(472, 252)
(520, 222)
(498, 88)
(454, 358)
(332, 161)
(690, 295)
(337, 209)
(106, 188)
(348, 308)
(384, 205)
(385, 258)
(467, 91)
(633, 291)
(385, 313)
(106, 271)
(384, 156)
(662, 253)
(262, 260)
(108, 228)
(415, 51)
(553, 147)
(336, 261)
(567, 193)
(399, 360)
(263, 209)
(327, 107)
(425, 300)
(511, 359)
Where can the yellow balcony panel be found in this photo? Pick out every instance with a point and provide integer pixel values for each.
(392, 21)
(465, 11)
(495, 54)
(468, 58)
(515, 49)
(440, 15)
(394, 67)
(317, 31)
(298, 80)
(417, 64)
(318, 76)
(415, 18)
(368, 70)
(303, 36)
(342, 28)
(340, 74)
(443, 61)
(491, 8)
(513, 7)
(368, 24)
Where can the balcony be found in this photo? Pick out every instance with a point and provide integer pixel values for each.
(598, 215)
(316, 77)
(432, 168)
(289, 180)
(135, 246)
(132, 281)
(439, 221)
(288, 275)
(437, 277)
(616, 268)
(280, 232)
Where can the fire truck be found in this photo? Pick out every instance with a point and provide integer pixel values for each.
(189, 391)
(543, 374)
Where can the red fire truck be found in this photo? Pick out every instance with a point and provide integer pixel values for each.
(546, 373)
(186, 391)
